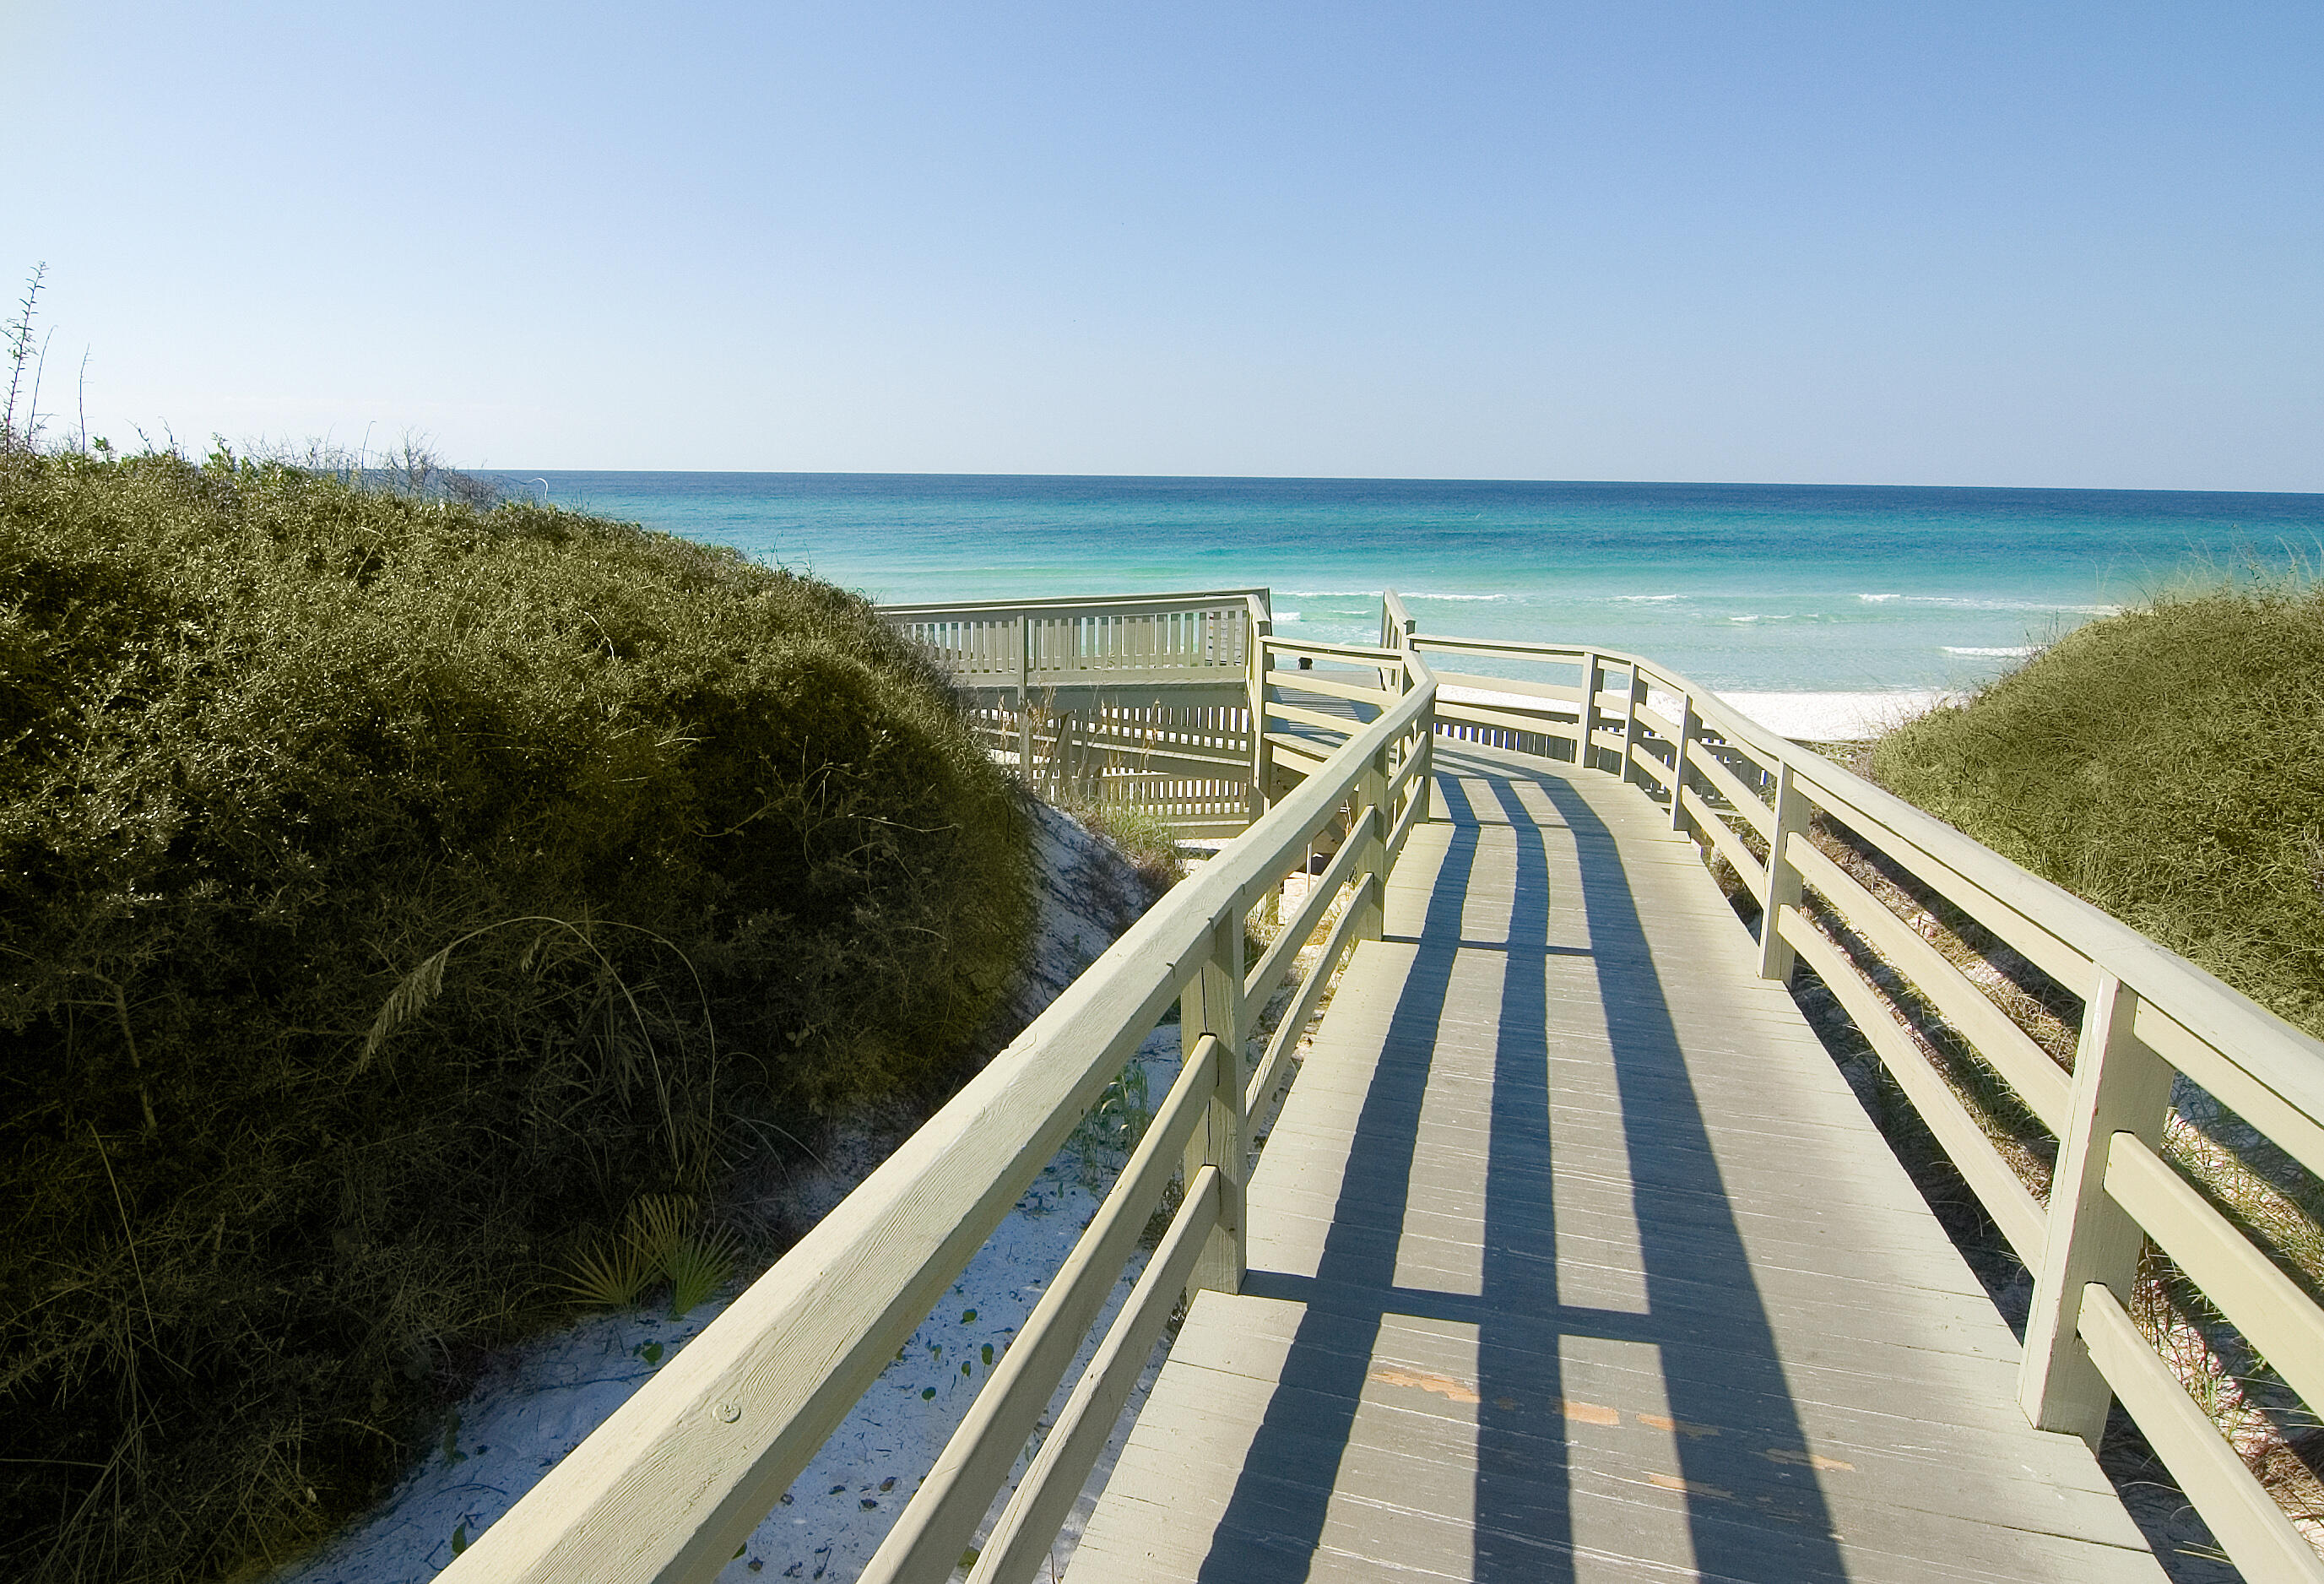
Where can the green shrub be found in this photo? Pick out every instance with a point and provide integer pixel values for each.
(707, 843)
(2166, 763)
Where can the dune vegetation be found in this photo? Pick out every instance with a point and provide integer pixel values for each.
(2167, 763)
(397, 892)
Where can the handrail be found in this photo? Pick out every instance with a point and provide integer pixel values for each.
(1189, 600)
(2148, 1016)
(682, 1473)
(1014, 642)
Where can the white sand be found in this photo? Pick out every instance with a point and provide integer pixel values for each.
(1834, 716)
(1812, 716)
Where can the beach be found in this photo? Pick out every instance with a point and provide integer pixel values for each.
(1812, 717)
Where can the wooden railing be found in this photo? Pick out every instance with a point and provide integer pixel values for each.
(1141, 700)
(2147, 1015)
(1036, 643)
(676, 1480)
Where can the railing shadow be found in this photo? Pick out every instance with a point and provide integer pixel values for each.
(1274, 1520)
(1725, 1402)
(1750, 1513)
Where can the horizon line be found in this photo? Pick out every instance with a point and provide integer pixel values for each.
(1383, 479)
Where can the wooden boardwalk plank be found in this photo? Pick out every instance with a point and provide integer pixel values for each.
(1573, 1257)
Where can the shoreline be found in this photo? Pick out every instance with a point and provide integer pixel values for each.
(1803, 716)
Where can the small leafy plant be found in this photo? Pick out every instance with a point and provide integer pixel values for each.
(1113, 1127)
(659, 1242)
(697, 1267)
(609, 1276)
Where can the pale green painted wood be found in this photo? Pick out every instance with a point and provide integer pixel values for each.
(2120, 1087)
(2248, 1523)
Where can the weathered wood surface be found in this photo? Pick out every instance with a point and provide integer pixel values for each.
(1572, 1257)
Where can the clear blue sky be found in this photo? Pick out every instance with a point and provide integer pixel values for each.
(2075, 244)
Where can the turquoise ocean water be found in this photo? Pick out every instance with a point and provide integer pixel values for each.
(1763, 588)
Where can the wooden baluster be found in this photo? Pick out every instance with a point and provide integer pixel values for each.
(1690, 726)
(1587, 719)
(1212, 1003)
(2120, 1087)
(1636, 695)
(1371, 829)
(1775, 954)
(1024, 699)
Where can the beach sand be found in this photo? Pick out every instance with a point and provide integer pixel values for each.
(1833, 718)
(1815, 717)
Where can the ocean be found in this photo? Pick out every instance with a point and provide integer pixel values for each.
(1749, 589)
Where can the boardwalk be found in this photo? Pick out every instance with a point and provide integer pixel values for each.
(1573, 1257)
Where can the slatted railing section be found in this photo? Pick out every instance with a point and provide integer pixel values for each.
(2147, 1015)
(670, 1486)
(1143, 700)
(1188, 762)
(1196, 637)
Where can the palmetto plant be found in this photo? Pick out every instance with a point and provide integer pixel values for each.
(697, 1266)
(660, 1241)
(608, 1277)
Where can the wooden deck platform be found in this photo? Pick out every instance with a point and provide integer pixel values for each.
(1573, 1258)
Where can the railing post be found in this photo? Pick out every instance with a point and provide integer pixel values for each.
(2120, 1087)
(1025, 698)
(1636, 696)
(1690, 726)
(1587, 721)
(1212, 1005)
(1262, 755)
(1775, 954)
(1371, 807)
(1424, 780)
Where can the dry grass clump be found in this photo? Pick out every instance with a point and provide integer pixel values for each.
(1075, 781)
(1140, 835)
(392, 891)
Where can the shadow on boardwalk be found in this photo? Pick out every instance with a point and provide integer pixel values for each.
(1574, 1258)
(1522, 1513)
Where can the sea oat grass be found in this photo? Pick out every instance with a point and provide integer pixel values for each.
(1140, 835)
(2168, 765)
(393, 889)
